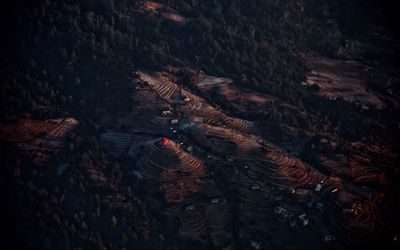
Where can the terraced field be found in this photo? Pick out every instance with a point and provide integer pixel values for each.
(216, 173)
(224, 181)
(351, 80)
(159, 9)
(39, 138)
(183, 124)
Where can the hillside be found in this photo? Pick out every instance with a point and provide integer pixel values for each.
(214, 124)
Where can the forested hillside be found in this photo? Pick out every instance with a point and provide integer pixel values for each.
(319, 79)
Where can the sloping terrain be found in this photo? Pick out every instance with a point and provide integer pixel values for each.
(213, 124)
(261, 184)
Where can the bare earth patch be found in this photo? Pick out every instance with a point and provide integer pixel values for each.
(159, 9)
(351, 80)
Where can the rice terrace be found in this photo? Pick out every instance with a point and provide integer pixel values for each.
(214, 124)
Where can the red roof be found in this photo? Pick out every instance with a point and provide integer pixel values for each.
(164, 141)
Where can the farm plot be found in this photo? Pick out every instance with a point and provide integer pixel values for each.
(261, 182)
(161, 10)
(353, 81)
(40, 139)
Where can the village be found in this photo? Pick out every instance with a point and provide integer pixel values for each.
(214, 124)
